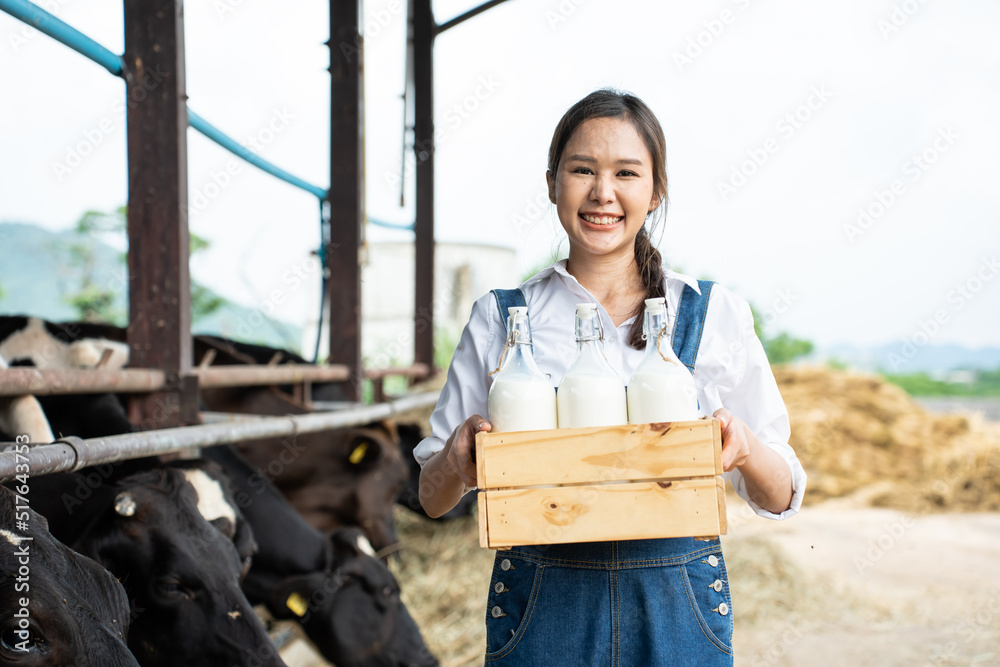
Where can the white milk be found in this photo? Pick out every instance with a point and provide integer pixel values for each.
(661, 397)
(591, 400)
(518, 404)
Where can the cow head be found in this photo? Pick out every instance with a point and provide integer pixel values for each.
(353, 610)
(349, 477)
(76, 614)
(176, 541)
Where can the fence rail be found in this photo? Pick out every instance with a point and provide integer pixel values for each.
(72, 454)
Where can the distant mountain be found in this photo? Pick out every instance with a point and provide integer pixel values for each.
(36, 275)
(896, 359)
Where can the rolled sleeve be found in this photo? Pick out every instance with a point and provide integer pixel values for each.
(756, 400)
(466, 391)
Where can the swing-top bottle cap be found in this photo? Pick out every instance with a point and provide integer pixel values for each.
(517, 312)
(659, 303)
(585, 308)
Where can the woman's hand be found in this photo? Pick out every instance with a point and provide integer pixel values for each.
(735, 439)
(462, 446)
(767, 476)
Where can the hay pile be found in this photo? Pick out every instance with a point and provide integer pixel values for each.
(853, 430)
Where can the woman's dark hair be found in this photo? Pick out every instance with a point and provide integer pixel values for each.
(608, 103)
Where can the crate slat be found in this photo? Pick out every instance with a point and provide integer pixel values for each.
(599, 454)
(590, 513)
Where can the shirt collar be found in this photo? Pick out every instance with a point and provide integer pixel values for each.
(560, 268)
(687, 280)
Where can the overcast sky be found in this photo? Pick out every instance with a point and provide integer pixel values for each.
(834, 162)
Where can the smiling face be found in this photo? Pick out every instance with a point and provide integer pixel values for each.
(603, 188)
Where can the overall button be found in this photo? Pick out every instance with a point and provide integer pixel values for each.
(497, 612)
(713, 561)
(717, 585)
(500, 588)
(723, 608)
(505, 565)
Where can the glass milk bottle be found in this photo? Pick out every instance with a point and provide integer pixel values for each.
(591, 393)
(521, 398)
(661, 389)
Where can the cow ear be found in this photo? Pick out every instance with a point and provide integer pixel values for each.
(297, 597)
(224, 526)
(243, 540)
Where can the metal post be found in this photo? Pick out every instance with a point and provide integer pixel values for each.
(159, 332)
(424, 29)
(347, 186)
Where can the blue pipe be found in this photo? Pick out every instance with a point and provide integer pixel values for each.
(45, 22)
(227, 142)
(41, 20)
(391, 225)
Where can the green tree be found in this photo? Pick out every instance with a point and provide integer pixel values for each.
(782, 348)
(93, 301)
(96, 304)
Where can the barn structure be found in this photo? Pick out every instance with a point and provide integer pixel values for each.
(161, 376)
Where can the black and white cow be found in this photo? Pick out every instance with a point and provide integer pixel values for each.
(328, 584)
(21, 415)
(57, 608)
(172, 535)
(70, 345)
(345, 599)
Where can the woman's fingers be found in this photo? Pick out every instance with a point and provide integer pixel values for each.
(464, 445)
(735, 444)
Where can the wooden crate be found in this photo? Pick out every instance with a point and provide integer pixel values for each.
(605, 483)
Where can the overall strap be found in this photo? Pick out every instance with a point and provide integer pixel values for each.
(690, 322)
(507, 298)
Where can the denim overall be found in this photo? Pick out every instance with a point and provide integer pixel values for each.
(634, 603)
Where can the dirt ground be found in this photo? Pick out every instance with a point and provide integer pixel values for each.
(878, 587)
(894, 560)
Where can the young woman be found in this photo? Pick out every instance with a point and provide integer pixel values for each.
(636, 602)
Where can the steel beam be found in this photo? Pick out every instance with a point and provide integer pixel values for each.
(159, 332)
(347, 187)
(424, 29)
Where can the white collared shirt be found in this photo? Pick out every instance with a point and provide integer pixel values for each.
(731, 370)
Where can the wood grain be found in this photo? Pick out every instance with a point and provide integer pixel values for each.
(590, 513)
(481, 504)
(600, 454)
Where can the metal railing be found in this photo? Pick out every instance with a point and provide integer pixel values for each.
(72, 454)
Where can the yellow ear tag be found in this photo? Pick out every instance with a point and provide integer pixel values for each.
(358, 453)
(297, 604)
